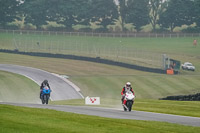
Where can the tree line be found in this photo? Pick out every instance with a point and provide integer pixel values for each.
(167, 14)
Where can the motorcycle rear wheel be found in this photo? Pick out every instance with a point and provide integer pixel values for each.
(44, 99)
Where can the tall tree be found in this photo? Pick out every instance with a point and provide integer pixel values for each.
(104, 12)
(8, 11)
(138, 13)
(197, 12)
(35, 12)
(177, 13)
(70, 12)
(122, 12)
(156, 7)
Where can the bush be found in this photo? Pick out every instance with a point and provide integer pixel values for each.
(29, 27)
(53, 28)
(118, 29)
(101, 30)
(191, 30)
(11, 27)
(161, 30)
(194, 97)
(85, 29)
(110, 29)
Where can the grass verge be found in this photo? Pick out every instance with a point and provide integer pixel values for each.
(106, 81)
(185, 108)
(25, 120)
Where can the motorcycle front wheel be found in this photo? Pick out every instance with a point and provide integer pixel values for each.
(43, 99)
(129, 105)
(47, 99)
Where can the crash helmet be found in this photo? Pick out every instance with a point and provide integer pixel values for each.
(128, 84)
(45, 81)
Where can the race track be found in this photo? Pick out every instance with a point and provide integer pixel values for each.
(63, 90)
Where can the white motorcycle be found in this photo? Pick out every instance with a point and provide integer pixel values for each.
(129, 97)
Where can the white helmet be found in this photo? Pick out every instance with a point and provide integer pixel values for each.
(128, 84)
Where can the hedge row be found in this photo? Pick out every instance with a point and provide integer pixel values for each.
(194, 97)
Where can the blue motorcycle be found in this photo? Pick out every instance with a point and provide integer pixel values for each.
(45, 95)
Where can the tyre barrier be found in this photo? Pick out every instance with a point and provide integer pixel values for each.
(193, 97)
(91, 59)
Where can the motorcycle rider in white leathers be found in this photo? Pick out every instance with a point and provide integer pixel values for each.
(126, 88)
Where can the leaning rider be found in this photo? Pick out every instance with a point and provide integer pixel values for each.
(126, 88)
(43, 84)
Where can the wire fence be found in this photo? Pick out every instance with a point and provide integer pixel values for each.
(93, 34)
(80, 44)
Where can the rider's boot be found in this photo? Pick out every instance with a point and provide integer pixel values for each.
(122, 99)
(40, 95)
(124, 102)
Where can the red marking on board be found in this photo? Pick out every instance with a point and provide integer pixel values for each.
(92, 100)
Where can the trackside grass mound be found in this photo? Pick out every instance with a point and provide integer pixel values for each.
(26, 120)
(17, 88)
(106, 81)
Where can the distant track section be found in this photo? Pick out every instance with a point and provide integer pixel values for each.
(61, 90)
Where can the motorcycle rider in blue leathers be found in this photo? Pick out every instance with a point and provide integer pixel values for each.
(43, 84)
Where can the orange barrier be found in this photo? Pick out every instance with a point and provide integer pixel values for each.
(170, 71)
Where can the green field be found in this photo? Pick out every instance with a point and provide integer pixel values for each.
(94, 78)
(26, 120)
(106, 81)
(139, 51)
(181, 45)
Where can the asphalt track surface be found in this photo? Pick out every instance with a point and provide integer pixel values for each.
(61, 89)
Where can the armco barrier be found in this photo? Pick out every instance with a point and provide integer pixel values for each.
(91, 59)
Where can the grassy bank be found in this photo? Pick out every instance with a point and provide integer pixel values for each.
(25, 120)
(17, 88)
(106, 81)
